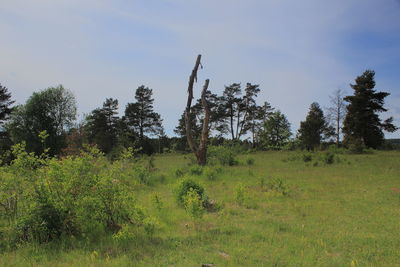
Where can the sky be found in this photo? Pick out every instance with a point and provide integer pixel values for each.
(299, 52)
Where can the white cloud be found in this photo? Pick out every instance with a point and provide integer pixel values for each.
(107, 48)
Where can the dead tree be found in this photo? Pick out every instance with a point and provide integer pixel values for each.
(201, 150)
(337, 112)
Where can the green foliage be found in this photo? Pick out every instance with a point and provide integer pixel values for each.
(158, 203)
(193, 203)
(362, 122)
(250, 161)
(45, 199)
(276, 131)
(278, 185)
(314, 128)
(329, 157)
(341, 196)
(102, 125)
(196, 170)
(179, 172)
(53, 110)
(5, 104)
(307, 157)
(211, 173)
(240, 194)
(141, 116)
(223, 155)
(355, 145)
(184, 187)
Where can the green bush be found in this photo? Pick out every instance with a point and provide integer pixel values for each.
(179, 172)
(356, 146)
(210, 173)
(329, 157)
(307, 157)
(240, 194)
(223, 155)
(184, 187)
(250, 161)
(193, 203)
(80, 196)
(279, 186)
(196, 170)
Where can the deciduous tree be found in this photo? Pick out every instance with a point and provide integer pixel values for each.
(337, 112)
(52, 110)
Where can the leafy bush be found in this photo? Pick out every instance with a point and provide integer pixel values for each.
(184, 187)
(356, 146)
(329, 157)
(80, 196)
(223, 155)
(240, 194)
(179, 172)
(196, 170)
(307, 157)
(250, 161)
(158, 203)
(193, 203)
(211, 173)
(279, 186)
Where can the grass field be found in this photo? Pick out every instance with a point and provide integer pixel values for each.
(341, 214)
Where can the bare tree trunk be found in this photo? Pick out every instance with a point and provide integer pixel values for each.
(200, 151)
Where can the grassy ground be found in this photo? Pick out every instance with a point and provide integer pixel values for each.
(342, 214)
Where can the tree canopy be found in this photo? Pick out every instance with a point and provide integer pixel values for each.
(52, 110)
(362, 122)
(314, 128)
(276, 131)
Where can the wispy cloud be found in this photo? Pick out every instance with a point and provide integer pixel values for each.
(299, 51)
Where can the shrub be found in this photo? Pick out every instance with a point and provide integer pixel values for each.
(279, 186)
(184, 187)
(356, 146)
(240, 194)
(196, 170)
(193, 204)
(80, 196)
(329, 158)
(307, 157)
(179, 172)
(250, 161)
(223, 155)
(211, 173)
(158, 203)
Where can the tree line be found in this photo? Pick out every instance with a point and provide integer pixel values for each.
(47, 121)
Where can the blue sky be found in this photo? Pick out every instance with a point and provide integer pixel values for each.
(298, 51)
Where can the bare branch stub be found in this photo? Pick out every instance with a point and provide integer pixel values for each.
(201, 151)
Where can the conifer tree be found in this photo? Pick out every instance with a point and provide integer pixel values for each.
(362, 122)
(314, 128)
(5, 104)
(140, 115)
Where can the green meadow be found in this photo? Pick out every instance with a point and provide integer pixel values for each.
(272, 209)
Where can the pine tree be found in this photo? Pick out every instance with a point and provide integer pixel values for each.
(5, 103)
(232, 107)
(276, 131)
(362, 122)
(314, 128)
(5, 111)
(140, 115)
(102, 125)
